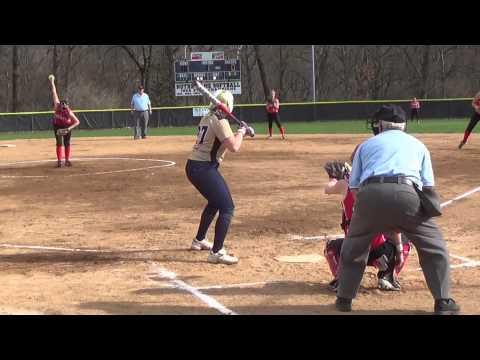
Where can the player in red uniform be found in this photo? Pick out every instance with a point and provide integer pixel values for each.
(473, 121)
(273, 107)
(64, 121)
(415, 109)
(387, 255)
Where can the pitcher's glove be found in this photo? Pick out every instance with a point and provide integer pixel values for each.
(337, 169)
(62, 132)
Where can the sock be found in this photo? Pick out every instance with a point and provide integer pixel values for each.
(466, 135)
(270, 131)
(67, 153)
(282, 131)
(59, 152)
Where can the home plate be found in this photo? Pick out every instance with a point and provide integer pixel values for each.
(308, 258)
(8, 145)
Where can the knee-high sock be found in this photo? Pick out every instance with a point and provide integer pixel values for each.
(59, 152)
(67, 153)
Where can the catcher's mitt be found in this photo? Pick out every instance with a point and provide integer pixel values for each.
(337, 169)
(62, 132)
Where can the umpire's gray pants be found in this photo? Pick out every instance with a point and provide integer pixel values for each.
(140, 124)
(385, 207)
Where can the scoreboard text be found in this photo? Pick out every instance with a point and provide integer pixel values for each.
(214, 75)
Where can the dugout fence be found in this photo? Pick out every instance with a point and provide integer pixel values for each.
(290, 112)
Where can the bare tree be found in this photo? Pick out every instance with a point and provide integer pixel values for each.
(142, 58)
(15, 76)
(261, 69)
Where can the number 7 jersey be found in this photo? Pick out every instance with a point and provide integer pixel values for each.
(212, 131)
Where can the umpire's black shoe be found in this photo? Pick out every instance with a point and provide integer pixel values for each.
(343, 305)
(446, 307)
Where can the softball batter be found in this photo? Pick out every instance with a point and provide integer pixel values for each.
(64, 121)
(214, 138)
(473, 121)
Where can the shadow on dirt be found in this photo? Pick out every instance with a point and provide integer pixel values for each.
(137, 308)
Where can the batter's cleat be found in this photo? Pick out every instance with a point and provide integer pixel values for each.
(446, 307)
(333, 285)
(343, 305)
(221, 258)
(59, 164)
(68, 163)
(201, 245)
(462, 143)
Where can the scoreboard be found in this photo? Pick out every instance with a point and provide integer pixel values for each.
(213, 74)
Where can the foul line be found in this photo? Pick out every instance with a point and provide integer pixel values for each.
(446, 203)
(182, 285)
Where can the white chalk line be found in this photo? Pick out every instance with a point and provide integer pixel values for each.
(61, 249)
(160, 271)
(182, 285)
(167, 164)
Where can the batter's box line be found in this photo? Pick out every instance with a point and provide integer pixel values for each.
(171, 277)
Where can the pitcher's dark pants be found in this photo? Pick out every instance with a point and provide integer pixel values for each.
(384, 207)
(209, 182)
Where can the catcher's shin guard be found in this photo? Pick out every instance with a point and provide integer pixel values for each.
(332, 254)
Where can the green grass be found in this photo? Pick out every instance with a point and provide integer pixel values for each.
(440, 126)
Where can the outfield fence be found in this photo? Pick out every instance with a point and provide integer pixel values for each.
(290, 112)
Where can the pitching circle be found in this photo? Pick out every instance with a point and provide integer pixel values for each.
(165, 163)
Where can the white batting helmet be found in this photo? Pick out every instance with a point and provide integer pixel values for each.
(225, 97)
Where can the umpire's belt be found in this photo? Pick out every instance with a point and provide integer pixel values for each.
(388, 179)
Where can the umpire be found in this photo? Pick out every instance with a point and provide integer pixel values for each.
(384, 171)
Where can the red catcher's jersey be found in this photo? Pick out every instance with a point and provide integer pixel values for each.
(347, 205)
(62, 117)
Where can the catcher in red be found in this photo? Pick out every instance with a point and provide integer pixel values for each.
(64, 121)
(387, 253)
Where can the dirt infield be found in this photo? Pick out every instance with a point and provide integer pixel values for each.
(137, 226)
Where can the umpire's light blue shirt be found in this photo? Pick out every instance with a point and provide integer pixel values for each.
(392, 153)
(140, 102)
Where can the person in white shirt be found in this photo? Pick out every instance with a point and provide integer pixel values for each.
(141, 109)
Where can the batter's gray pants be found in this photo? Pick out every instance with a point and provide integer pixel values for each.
(140, 124)
(385, 207)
